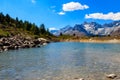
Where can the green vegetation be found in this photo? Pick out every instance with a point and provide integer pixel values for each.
(78, 38)
(11, 27)
(65, 37)
(2, 33)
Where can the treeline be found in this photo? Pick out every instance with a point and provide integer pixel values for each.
(8, 21)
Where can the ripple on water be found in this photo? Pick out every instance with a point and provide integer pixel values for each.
(61, 61)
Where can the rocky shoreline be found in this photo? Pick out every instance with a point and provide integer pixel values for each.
(16, 42)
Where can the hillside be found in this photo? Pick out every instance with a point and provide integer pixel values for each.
(11, 27)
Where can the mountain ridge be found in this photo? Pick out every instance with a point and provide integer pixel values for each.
(91, 29)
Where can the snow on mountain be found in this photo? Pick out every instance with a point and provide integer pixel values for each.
(91, 28)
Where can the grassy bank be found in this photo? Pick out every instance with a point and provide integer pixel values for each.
(105, 39)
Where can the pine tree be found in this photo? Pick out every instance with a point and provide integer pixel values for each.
(42, 29)
(8, 19)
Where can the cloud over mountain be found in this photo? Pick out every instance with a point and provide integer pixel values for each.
(52, 28)
(109, 16)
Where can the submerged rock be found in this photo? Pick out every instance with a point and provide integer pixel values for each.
(79, 78)
(111, 76)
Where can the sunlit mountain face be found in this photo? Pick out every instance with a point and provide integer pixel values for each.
(91, 28)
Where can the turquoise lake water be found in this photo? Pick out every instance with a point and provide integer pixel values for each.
(61, 61)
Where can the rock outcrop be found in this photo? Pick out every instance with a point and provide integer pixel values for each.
(16, 42)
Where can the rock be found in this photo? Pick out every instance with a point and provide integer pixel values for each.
(2, 39)
(16, 47)
(11, 47)
(111, 76)
(25, 46)
(79, 78)
(6, 44)
(43, 40)
(44, 44)
(17, 41)
(5, 49)
(36, 42)
(38, 46)
(1, 44)
(18, 78)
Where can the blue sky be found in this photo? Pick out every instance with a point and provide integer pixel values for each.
(59, 13)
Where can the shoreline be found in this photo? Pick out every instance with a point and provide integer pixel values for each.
(92, 40)
(16, 42)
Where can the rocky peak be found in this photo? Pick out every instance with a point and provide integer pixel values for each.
(92, 28)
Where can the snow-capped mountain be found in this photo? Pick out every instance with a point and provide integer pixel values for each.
(92, 28)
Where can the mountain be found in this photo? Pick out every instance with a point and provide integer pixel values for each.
(77, 30)
(80, 30)
(116, 29)
(92, 29)
(66, 30)
(116, 33)
(54, 32)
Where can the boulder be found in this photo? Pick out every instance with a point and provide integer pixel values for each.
(36, 42)
(5, 48)
(43, 40)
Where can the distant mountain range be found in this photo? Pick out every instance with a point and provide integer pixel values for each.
(91, 29)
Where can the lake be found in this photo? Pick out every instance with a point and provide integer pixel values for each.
(61, 61)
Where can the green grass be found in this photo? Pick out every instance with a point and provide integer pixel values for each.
(8, 31)
(4, 33)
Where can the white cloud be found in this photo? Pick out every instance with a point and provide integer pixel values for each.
(61, 13)
(109, 16)
(71, 6)
(33, 1)
(52, 28)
